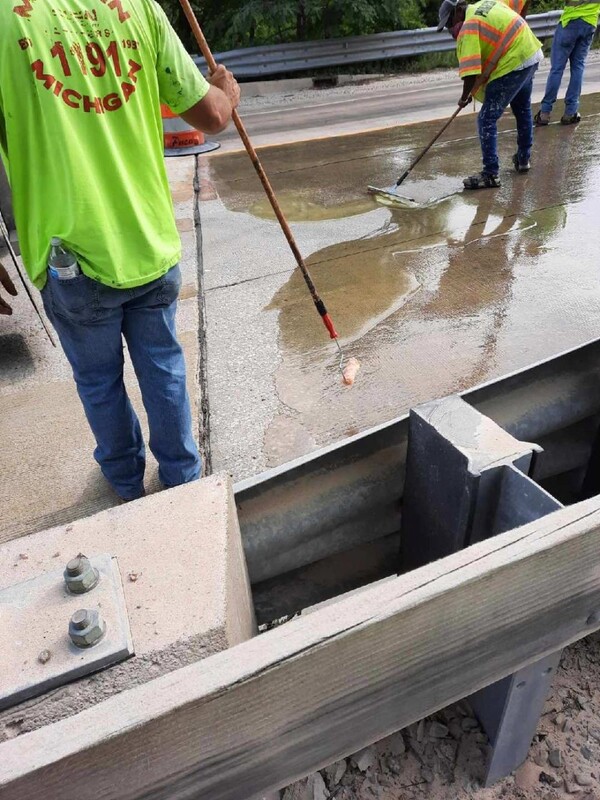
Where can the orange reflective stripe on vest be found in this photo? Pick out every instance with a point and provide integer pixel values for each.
(505, 42)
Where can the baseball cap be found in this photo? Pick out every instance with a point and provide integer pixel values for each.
(446, 10)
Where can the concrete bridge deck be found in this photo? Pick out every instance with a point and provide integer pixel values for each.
(431, 301)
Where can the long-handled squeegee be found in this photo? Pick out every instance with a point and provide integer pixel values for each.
(390, 194)
(348, 372)
(15, 260)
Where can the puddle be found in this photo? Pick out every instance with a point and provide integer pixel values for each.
(461, 251)
(299, 209)
(359, 290)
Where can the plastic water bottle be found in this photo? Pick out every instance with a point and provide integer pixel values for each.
(62, 262)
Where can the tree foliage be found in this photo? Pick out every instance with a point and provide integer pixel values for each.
(244, 23)
(229, 24)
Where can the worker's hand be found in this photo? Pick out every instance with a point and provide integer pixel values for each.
(464, 101)
(224, 80)
(10, 288)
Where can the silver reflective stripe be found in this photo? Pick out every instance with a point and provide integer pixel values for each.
(176, 125)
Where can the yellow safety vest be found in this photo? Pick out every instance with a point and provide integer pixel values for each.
(494, 40)
(580, 9)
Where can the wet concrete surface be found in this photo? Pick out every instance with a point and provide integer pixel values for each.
(431, 301)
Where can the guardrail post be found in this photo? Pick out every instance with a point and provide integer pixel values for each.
(466, 481)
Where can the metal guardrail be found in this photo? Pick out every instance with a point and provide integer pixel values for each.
(351, 492)
(258, 62)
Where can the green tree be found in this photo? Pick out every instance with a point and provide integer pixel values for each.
(230, 24)
(234, 23)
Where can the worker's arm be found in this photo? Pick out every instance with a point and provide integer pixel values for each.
(525, 10)
(213, 113)
(10, 288)
(206, 104)
(468, 86)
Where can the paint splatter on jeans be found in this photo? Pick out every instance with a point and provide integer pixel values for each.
(515, 90)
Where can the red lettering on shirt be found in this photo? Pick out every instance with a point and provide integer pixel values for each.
(95, 55)
(134, 68)
(68, 94)
(24, 10)
(117, 5)
(128, 89)
(112, 102)
(92, 103)
(38, 68)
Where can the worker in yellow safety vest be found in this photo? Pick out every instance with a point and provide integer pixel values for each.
(572, 41)
(498, 56)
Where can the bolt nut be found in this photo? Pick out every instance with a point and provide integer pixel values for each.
(86, 628)
(80, 576)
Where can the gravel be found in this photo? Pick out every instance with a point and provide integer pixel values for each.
(444, 757)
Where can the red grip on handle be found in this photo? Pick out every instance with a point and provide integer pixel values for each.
(330, 326)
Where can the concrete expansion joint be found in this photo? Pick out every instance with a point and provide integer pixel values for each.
(204, 444)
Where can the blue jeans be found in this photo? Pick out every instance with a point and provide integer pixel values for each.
(513, 89)
(91, 321)
(571, 43)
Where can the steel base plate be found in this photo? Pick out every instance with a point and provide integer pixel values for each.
(36, 652)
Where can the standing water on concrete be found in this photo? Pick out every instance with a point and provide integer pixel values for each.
(432, 301)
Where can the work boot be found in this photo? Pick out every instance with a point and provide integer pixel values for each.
(542, 118)
(570, 119)
(484, 180)
(521, 166)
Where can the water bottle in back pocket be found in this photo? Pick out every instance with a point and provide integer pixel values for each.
(62, 263)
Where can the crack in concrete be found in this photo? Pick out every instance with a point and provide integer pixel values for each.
(203, 403)
(251, 280)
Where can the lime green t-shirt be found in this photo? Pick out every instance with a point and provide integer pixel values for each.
(81, 82)
(588, 12)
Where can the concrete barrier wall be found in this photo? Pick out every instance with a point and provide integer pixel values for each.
(185, 584)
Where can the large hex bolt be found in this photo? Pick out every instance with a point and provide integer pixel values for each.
(86, 628)
(80, 576)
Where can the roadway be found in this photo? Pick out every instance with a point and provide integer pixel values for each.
(287, 117)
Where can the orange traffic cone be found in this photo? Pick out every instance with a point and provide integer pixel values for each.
(181, 139)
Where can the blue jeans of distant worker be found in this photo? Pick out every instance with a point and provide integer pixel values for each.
(91, 321)
(571, 43)
(513, 89)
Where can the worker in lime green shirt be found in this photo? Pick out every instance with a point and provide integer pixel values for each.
(81, 83)
(572, 41)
